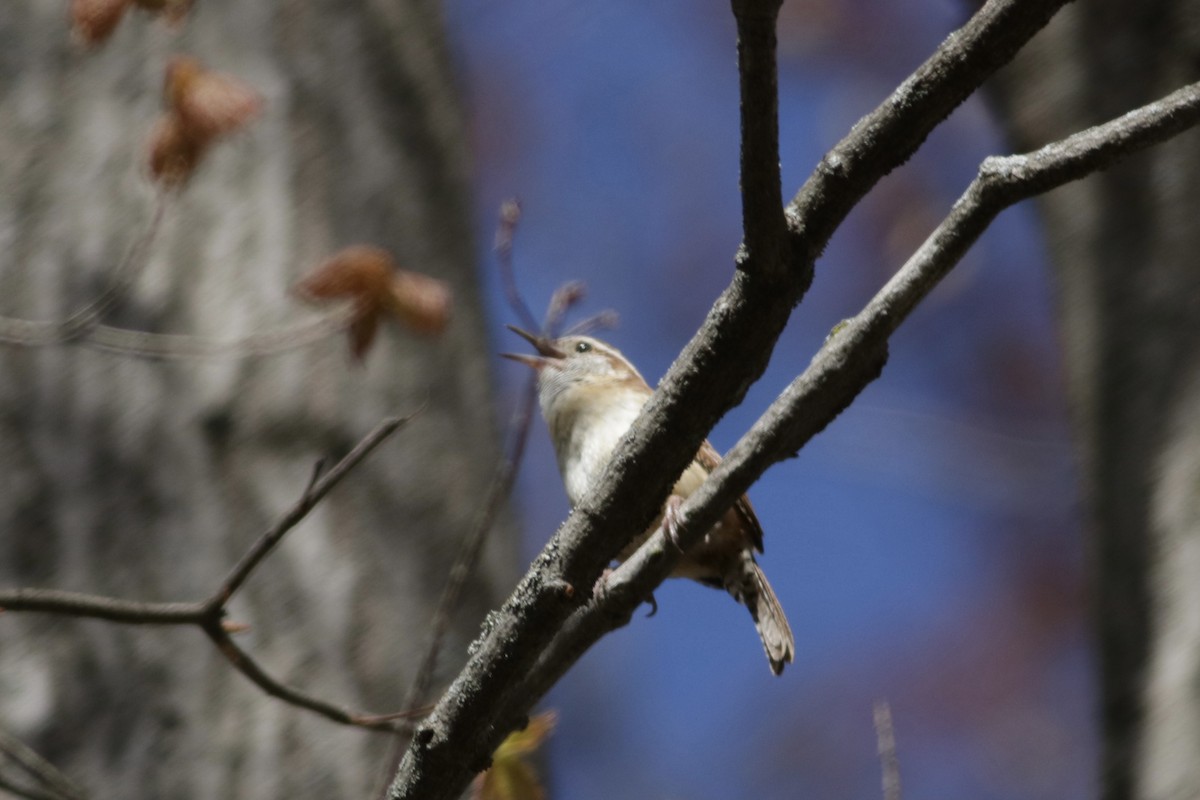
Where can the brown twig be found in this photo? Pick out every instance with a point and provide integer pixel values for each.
(245, 664)
(31, 792)
(77, 604)
(471, 547)
(79, 324)
(57, 785)
(506, 230)
(885, 738)
(83, 325)
(209, 615)
(317, 489)
(180, 346)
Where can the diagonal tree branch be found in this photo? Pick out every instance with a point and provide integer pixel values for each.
(839, 372)
(853, 356)
(710, 376)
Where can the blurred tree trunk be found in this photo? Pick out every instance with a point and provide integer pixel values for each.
(1125, 245)
(148, 479)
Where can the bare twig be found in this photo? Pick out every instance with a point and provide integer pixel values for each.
(81, 322)
(180, 346)
(472, 546)
(885, 739)
(41, 770)
(31, 792)
(210, 614)
(243, 663)
(604, 320)
(77, 604)
(127, 272)
(84, 326)
(563, 299)
(506, 229)
(316, 491)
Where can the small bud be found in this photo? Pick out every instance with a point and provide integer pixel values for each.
(173, 156)
(208, 104)
(420, 302)
(93, 21)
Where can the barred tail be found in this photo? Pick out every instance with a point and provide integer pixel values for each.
(755, 593)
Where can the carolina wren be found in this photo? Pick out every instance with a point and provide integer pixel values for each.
(590, 394)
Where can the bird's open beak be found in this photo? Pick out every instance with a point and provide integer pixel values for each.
(547, 352)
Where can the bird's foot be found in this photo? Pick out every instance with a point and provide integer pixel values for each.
(600, 591)
(670, 522)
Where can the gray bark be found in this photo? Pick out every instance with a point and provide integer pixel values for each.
(1124, 245)
(147, 479)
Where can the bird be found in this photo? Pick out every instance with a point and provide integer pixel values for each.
(589, 395)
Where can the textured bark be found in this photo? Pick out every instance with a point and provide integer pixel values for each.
(147, 479)
(1124, 246)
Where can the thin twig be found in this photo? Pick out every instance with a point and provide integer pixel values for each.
(84, 327)
(604, 320)
(506, 229)
(127, 272)
(472, 546)
(210, 614)
(885, 738)
(39, 768)
(245, 664)
(79, 324)
(184, 346)
(77, 604)
(316, 491)
(31, 792)
(563, 299)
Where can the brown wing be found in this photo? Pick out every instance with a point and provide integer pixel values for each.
(709, 458)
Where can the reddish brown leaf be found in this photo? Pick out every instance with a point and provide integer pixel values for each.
(420, 302)
(369, 276)
(93, 21)
(208, 104)
(358, 271)
(362, 329)
(173, 156)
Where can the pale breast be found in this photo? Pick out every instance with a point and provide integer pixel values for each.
(593, 431)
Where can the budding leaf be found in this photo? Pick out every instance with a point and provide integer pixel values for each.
(510, 777)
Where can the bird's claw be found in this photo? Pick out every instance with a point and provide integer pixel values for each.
(600, 589)
(670, 522)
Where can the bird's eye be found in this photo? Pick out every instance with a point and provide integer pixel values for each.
(582, 347)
